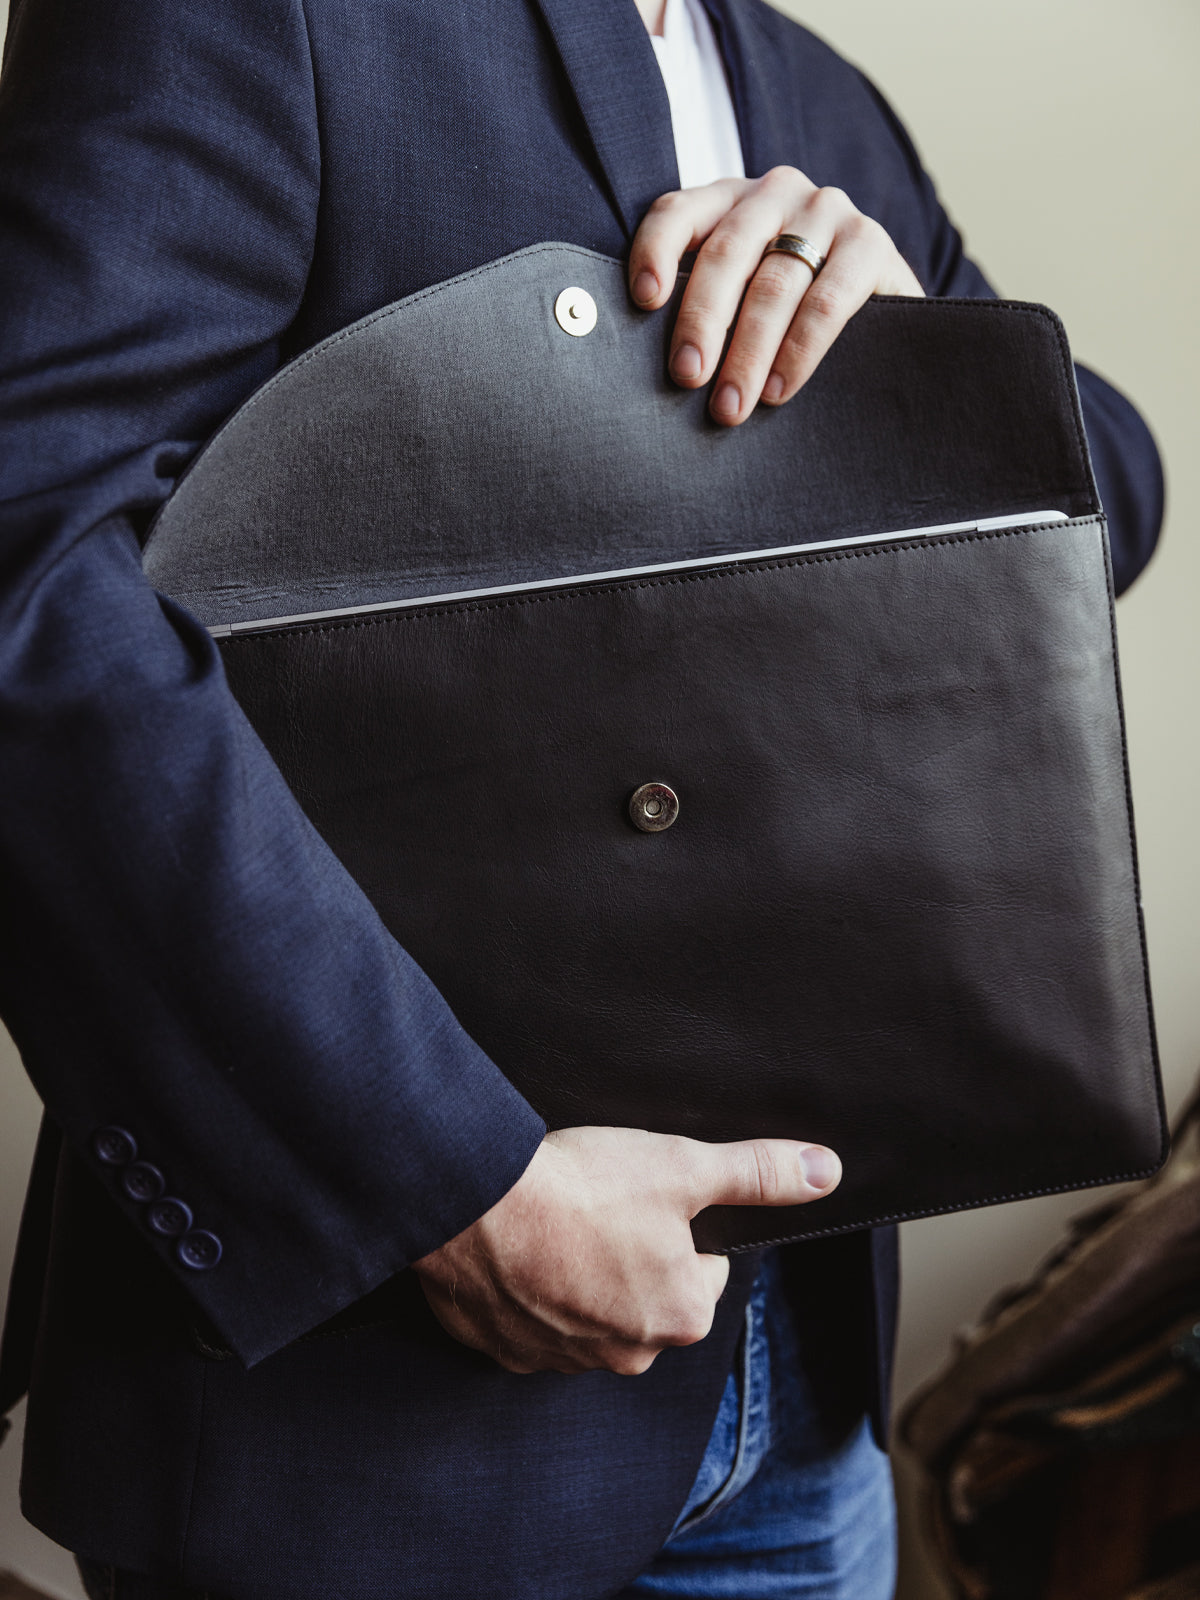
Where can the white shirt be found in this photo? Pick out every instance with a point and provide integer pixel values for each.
(707, 145)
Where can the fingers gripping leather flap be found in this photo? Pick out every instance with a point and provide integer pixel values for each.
(463, 438)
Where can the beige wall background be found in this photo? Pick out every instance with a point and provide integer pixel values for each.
(1065, 136)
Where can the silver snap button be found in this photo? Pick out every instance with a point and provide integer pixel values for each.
(575, 312)
(653, 807)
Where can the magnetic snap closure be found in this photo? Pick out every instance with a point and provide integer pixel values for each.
(653, 807)
(575, 312)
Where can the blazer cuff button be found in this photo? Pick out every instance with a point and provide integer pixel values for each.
(169, 1217)
(199, 1250)
(142, 1182)
(114, 1146)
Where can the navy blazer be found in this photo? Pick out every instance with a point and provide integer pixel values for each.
(260, 1110)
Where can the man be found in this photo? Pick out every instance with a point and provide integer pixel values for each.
(237, 1387)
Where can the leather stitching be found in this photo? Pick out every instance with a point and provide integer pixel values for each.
(939, 1211)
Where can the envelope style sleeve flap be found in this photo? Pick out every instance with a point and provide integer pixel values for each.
(461, 438)
(897, 912)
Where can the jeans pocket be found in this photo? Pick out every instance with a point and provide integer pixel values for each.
(731, 1459)
(752, 1431)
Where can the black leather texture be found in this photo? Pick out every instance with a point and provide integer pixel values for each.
(461, 439)
(898, 912)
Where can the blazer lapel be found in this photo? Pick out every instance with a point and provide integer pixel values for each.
(610, 64)
(761, 81)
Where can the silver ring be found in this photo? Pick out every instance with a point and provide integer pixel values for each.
(793, 244)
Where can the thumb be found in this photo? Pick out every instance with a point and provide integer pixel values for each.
(763, 1172)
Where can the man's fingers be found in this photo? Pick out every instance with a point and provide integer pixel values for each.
(775, 286)
(728, 261)
(675, 224)
(761, 1172)
(791, 316)
(714, 1272)
(598, 1269)
(784, 319)
(842, 289)
(862, 262)
(770, 310)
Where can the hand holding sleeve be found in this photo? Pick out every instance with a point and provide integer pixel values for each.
(182, 960)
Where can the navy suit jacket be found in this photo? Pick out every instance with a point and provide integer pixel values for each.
(245, 1389)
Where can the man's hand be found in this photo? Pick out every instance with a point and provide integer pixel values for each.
(588, 1261)
(788, 319)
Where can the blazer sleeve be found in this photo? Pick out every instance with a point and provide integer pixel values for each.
(1125, 457)
(264, 1082)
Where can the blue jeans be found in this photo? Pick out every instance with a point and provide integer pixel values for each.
(774, 1512)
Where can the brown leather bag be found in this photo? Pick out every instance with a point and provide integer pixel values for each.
(1060, 1447)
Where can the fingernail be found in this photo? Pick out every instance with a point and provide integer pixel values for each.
(773, 387)
(822, 1169)
(645, 286)
(686, 363)
(727, 401)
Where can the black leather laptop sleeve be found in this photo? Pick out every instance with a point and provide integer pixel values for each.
(897, 912)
